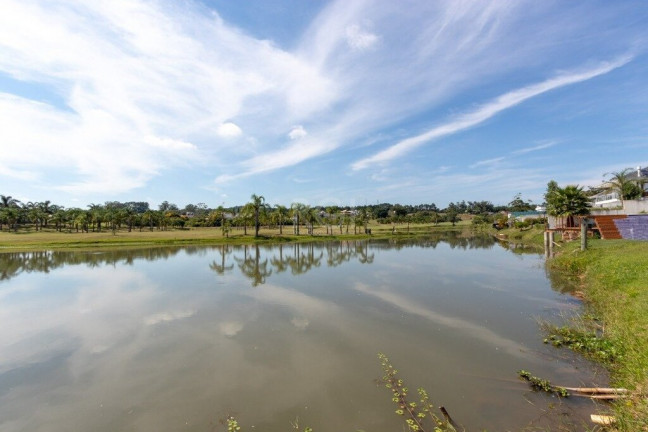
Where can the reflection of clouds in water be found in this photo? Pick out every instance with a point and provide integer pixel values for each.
(522, 293)
(168, 316)
(230, 328)
(471, 329)
(305, 304)
(300, 322)
(88, 312)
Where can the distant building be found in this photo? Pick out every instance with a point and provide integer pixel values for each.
(611, 198)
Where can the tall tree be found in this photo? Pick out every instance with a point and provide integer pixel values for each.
(280, 214)
(625, 187)
(297, 211)
(519, 205)
(8, 201)
(257, 204)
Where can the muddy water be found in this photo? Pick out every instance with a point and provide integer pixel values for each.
(175, 339)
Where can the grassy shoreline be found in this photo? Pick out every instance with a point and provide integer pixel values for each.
(30, 240)
(613, 278)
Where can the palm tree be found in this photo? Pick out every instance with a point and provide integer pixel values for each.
(570, 201)
(59, 218)
(98, 213)
(245, 216)
(297, 210)
(280, 213)
(37, 216)
(149, 217)
(257, 205)
(7, 201)
(11, 215)
(624, 187)
(311, 215)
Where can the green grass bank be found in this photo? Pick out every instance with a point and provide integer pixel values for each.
(613, 278)
(26, 239)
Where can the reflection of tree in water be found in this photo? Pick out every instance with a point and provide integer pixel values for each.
(252, 267)
(561, 282)
(221, 268)
(299, 258)
(520, 248)
(302, 260)
(14, 263)
(455, 239)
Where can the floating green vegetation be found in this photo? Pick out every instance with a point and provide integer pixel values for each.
(542, 384)
(588, 343)
(419, 416)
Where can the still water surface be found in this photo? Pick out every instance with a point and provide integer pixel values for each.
(175, 339)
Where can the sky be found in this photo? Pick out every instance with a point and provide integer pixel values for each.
(319, 102)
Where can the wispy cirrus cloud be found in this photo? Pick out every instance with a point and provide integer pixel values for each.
(486, 111)
(119, 96)
(145, 87)
(538, 147)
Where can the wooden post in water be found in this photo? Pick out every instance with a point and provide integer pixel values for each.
(583, 223)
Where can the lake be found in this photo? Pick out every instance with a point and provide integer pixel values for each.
(176, 339)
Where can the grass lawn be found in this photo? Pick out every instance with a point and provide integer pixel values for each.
(28, 238)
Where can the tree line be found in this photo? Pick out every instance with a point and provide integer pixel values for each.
(137, 215)
(568, 201)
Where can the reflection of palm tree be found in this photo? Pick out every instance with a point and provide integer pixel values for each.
(221, 268)
(336, 255)
(12, 264)
(253, 268)
(363, 253)
(280, 264)
(301, 262)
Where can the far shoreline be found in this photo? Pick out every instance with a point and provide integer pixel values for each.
(28, 239)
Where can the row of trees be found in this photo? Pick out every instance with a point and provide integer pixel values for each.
(114, 215)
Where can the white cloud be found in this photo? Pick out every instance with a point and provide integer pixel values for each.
(297, 132)
(542, 146)
(489, 162)
(229, 130)
(146, 86)
(141, 89)
(168, 143)
(360, 39)
(485, 112)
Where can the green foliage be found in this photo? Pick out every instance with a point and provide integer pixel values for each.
(621, 183)
(519, 205)
(542, 384)
(232, 425)
(567, 201)
(418, 416)
(586, 342)
(482, 220)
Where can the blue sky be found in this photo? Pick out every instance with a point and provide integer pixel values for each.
(321, 102)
